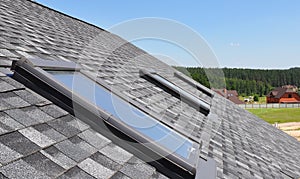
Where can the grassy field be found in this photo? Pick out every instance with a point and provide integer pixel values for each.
(281, 115)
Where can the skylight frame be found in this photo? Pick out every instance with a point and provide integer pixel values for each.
(29, 72)
(200, 104)
(203, 89)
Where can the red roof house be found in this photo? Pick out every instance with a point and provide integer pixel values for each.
(284, 94)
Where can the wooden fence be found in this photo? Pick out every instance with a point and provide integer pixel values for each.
(271, 105)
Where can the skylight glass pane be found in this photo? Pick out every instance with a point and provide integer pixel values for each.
(127, 113)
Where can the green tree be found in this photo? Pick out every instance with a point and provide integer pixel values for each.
(247, 81)
(256, 98)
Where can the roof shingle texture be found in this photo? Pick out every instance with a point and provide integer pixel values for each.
(40, 140)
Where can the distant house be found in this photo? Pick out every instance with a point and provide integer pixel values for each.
(284, 94)
(232, 95)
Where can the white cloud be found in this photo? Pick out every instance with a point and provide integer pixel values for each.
(234, 44)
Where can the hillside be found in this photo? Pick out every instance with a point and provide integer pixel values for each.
(246, 81)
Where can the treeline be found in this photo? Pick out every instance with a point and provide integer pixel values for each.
(245, 81)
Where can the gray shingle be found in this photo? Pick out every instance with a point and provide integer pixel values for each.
(30, 97)
(4, 86)
(6, 53)
(22, 117)
(1, 73)
(37, 114)
(7, 154)
(119, 175)
(4, 105)
(7, 124)
(37, 137)
(116, 153)
(13, 100)
(136, 168)
(5, 62)
(76, 173)
(43, 164)
(78, 124)
(105, 161)
(19, 143)
(12, 84)
(49, 132)
(54, 111)
(2, 176)
(58, 157)
(95, 139)
(65, 125)
(22, 170)
(76, 148)
(95, 169)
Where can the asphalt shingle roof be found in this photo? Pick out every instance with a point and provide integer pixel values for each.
(40, 140)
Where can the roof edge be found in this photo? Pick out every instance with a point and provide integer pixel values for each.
(75, 18)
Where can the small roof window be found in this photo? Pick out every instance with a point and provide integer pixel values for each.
(174, 154)
(203, 89)
(171, 88)
(125, 112)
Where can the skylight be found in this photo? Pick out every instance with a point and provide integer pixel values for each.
(195, 102)
(130, 115)
(203, 89)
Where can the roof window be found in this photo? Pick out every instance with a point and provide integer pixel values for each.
(123, 111)
(203, 89)
(171, 88)
(109, 114)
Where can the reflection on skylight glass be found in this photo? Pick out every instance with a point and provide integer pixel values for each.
(127, 113)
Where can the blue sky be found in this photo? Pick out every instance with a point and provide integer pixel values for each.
(244, 34)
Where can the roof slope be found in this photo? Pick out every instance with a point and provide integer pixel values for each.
(242, 145)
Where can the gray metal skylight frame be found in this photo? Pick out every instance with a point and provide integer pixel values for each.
(195, 102)
(52, 65)
(31, 73)
(203, 89)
